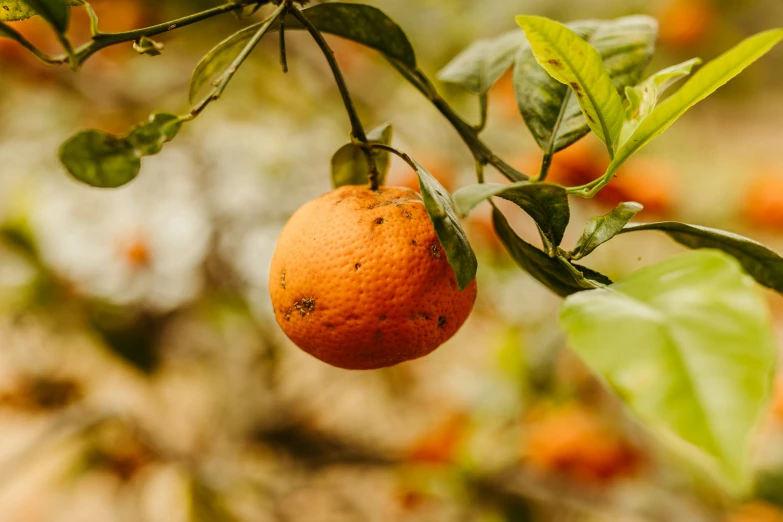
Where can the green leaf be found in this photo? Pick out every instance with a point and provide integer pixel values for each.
(548, 271)
(687, 344)
(601, 229)
(16, 10)
(642, 98)
(546, 203)
(481, 64)
(148, 46)
(100, 160)
(105, 161)
(56, 12)
(349, 164)
(763, 264)
(706, 81)
(441, 210)
(148, 138)
(217, 60)
(364, 24)
(575, 63)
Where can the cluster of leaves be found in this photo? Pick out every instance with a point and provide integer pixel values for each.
(687, 343)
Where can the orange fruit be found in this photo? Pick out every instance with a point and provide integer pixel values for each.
(440, 445)
(359, 279)
(685, 23)
(763, 203)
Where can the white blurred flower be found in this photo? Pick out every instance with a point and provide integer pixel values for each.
(143, 244)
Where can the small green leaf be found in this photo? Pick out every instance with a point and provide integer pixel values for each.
(56, 12)
(763, 264)
(441, 210)
(481, 64)
(148, 46)
(546, 203)
(364, 24)
(643, 98)
(706, 81)
(551, 111)
(100, 160)
(215, 62)
(548, 271)
(16, 10)
(148, 138)
(349, 163)
(601, 229)
(687, 344)
(105, 161)
(575, 63)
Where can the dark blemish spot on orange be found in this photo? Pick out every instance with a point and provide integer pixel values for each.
(305, 306)
(407, 215)
(282, 279)
(330, 326)
(556, 63)
(441, 321)
(382, 317)
(413, 242)
(420, 315)
(435, 251)
(288, 314)
(352, 317)
(357, 266)
(379, 221)
(378, 335)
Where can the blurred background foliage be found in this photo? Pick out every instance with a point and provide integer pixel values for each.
(142, 375)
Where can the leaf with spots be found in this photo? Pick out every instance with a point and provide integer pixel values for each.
(550, 109)
(349, 163)
(440, 208)
(575, 63)
(546, 203)
(688, 346)
(106, 161)
(548, 271)
(16, 10)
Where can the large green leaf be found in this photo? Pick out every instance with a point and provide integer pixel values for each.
(601, 229)
(15, 10)
(56, 12)
(441, 210)
(481, 64)
(759, 261)
(364, 24)
(349, 163)
(643, 98)
(546, 203)
(687, 344)
(105, 161)
(548, 271)
(550, 109)
(706, 81)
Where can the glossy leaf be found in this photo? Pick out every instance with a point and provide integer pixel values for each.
(546, 203)
(706, 81)
(548, 271)
(105, 161)
(601, 229)
(100, 160)
(642, 98)
(16, 10)
(349, 164)
(572, 61)
(763, 264)
(441, 210)
(56, 12)
(687, 344)
(481, 64)
(551, 111)
(364, 24)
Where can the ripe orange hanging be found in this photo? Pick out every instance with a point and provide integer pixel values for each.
(360, 281)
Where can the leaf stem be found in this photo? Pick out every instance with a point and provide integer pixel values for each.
(283, 55)
(357, 130)
(579, 276)
(226, 77)
(466, 131)
(483, 109)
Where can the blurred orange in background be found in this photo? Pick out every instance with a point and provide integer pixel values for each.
(684, 23)
(763, 200)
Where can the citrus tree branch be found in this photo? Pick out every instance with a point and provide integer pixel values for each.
(357, 130)
(467, 132)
